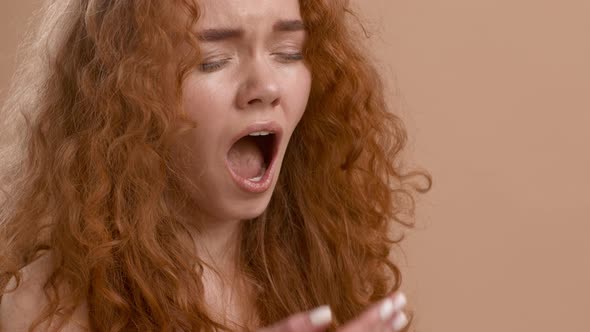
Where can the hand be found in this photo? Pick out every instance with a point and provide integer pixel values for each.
(385, 316)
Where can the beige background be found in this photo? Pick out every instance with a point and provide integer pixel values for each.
(496, 98)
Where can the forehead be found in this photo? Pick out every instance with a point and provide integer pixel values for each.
(215, 13)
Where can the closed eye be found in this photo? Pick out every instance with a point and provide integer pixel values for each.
(290, 56)
(208, 67)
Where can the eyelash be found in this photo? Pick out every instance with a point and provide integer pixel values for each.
(213, 66)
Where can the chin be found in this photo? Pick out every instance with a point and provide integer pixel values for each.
(250, 208)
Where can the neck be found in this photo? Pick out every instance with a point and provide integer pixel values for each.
(217, 244)
(216, 241)
(226, 292)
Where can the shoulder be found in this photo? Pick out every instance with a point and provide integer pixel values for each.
(20, 307)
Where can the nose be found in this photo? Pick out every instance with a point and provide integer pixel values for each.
(259, 87)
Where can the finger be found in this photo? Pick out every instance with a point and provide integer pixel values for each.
(316, 320)
(379, 316)
(399, 321)
(396, 323)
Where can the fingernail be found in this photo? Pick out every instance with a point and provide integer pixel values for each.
(386, 309)
(399, 301)
(399, 322)
(321, 316)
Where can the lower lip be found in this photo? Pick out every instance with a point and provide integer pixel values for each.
(251, 186)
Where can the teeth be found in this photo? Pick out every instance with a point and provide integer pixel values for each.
(259, 133)
(258, 178)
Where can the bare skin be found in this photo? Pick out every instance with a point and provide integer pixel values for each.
(18, 309)
(252, 72)
(255, 76)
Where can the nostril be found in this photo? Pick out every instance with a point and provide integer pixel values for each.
(275, 102)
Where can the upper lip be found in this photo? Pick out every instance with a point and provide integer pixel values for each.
(270, 126)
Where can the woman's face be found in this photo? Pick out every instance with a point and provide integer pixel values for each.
(247, 97)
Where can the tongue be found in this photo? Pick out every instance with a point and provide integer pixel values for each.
(246, 159)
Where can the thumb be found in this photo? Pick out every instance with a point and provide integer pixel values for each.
(316, 320)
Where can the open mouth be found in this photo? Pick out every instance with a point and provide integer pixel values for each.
(251, 156)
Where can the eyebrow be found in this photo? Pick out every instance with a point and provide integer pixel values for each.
(288, 25)
(219, 34)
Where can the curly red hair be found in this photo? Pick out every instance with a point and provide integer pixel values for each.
(97, 180)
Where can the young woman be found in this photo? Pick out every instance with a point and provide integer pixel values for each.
(200, 165)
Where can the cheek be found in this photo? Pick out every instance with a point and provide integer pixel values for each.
(203, 107)
(300, 91)
(197, 102)
(203, 93)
